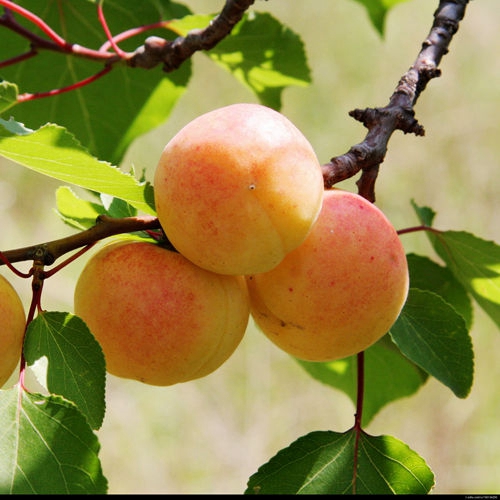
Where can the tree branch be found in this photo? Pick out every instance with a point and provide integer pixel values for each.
(48, 253)
(398, 114)
(155, 51)
(172, 54)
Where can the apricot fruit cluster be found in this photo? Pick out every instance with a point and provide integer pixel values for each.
(239, 194)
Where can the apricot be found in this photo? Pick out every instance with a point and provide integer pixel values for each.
(12, 325)
(159, 318)
(238, 188)
(338, 292)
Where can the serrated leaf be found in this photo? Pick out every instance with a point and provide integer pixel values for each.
(428, 275)
(434, 336)
(475, 262)
(386, 465)
(108, 114)
(76, 366)
(76, 212)
(261, 53)
(388, 376)
(377, 11)
(47, 447)
(53, 151)
(322, 463)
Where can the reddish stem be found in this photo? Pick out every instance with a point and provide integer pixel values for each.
(38, 95)
(130, 33)
(18, 59)
(359, 414)
(80, 252)
(104, 24)
(37, 21)
(6, 261)
(414, 229)
(35, 305)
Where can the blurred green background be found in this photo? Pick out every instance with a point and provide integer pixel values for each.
(210, 435)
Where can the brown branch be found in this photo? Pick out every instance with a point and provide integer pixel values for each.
(398, 114)
(172, 54)
(48, 253)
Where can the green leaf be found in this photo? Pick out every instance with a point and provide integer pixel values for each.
(76, 366)
(8, 96)
(388, 376)
(109, 113)
(322, 463)
(434, 336)
(116, 207)
(53, 151)
(427, 275)
(425, 214)
(475, 263)
(261, 53)
(377, 11)
(76, 212)
(47, 447)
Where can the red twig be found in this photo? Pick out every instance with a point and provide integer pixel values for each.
(104, 24)
(73, 86)
(37, 21)
(414, 229)
(124, 35)
(18, 59)
(359, 415)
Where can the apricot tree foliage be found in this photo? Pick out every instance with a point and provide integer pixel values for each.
(81, 81)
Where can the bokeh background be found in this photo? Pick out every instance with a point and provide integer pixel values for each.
(210, 435)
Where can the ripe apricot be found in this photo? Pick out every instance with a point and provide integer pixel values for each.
(12, 325)
(238, 188)
(338, 292)
(159, 318)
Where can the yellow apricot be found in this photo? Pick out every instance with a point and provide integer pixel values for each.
(159, 318)
(12, 325)
(338, 292)
(238, 188)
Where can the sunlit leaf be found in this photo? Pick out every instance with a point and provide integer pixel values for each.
(76, 212)
(76, 367)
(47, 447)
(261, 53)
(475, 263)
(322, 462)
(434, 336)
(388, 376)
(8, 96)
(53, 151)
